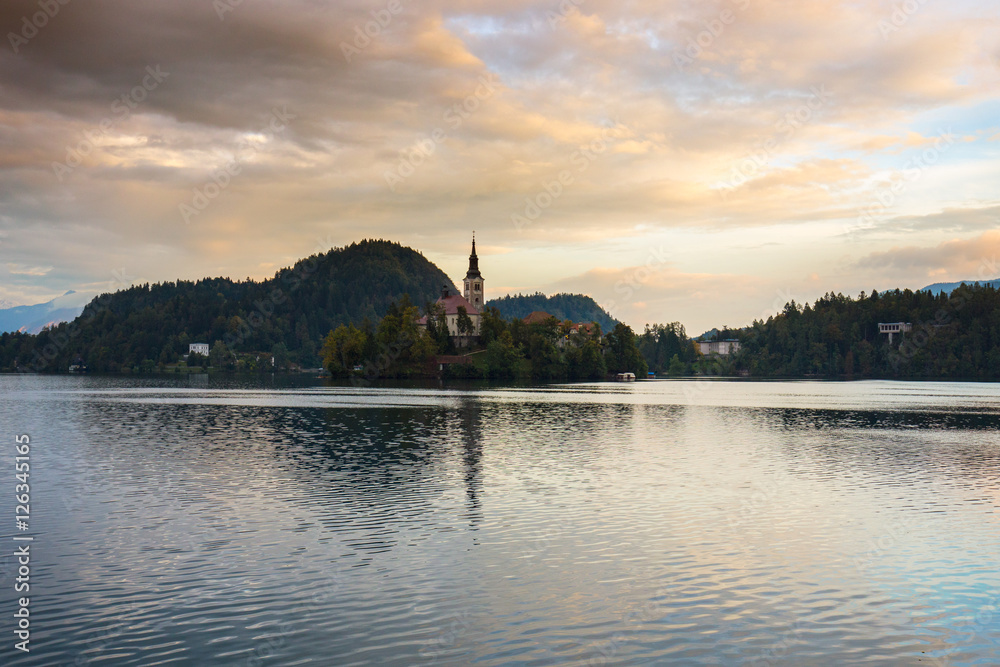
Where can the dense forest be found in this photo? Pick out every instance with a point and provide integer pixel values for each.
(288, 316)
(356, 307)
(507, 349)
(954, 335)
(572, 307)
(668, 350)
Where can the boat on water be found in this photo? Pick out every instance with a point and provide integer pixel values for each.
(625, 377)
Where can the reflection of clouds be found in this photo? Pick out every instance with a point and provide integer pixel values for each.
(601, 516)
(932, 449)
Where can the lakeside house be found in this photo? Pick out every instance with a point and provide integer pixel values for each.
(892, 328)
(198, 348)
(723, 348)
(575, 328)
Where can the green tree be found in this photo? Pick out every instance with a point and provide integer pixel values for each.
(437, 328)
(676, 367)
(343, 349)
(546, 362)
(220, 356)
(492, 325)
(280, 355)
(195, 359)
(464, 323)
(585, 362)
(502, 357)
(404, 348)
(621, 353)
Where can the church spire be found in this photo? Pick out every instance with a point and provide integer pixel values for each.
(474, 283)
(473, 261)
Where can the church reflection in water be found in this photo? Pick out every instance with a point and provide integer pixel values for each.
(472, 456)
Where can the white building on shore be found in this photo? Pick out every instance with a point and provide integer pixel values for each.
(892, 328)
(198, 348)
(720, 347)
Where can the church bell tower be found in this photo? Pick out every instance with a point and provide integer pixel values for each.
(474, 280)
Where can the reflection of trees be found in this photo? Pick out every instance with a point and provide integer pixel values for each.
(885, 419)
(894, 444)
(373, 471)
(382, 471)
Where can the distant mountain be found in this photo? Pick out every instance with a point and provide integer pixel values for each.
(948, 288)
(575, 307)
(146, 324)
(711, 334)
(32, 319)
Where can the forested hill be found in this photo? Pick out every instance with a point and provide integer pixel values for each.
(948, 288)
(953, 336)
(146, 324)
(575, 307)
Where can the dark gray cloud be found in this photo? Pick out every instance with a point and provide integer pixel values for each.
(485, 102)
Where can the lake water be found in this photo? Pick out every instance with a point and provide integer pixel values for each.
(197, 522)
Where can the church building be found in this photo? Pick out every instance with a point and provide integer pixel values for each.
(473, 301)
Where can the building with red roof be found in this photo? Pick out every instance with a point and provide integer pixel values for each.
(450, 305)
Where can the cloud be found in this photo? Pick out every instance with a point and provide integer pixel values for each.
(951, 220)
(958, 259)
(20, 270)
(659, 292)
(365, 98)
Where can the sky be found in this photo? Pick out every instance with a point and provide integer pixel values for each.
(700, 162)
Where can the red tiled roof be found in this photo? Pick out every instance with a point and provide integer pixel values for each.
(537, 317)
(453, 301)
